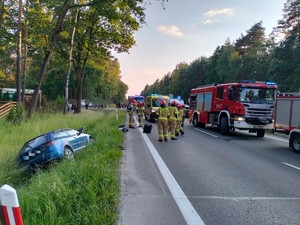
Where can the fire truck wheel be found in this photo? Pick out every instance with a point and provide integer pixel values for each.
(296, 144)
(195, 121)
(260, 133)
(224, 128)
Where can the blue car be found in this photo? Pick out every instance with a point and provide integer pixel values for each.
(54, 145)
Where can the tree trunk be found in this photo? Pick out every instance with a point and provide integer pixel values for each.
(19, 53)
(48, 57)
(25, 53)
(80, 75)
(70, 63)
(2, 12)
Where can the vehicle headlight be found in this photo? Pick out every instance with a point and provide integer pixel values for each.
(153, 111)
(239, 118)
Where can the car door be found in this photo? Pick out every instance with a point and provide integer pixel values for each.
(77, 141)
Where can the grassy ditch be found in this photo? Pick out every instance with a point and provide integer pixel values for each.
(85, 191)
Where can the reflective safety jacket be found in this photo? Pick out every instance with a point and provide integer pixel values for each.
(131, 109)
(162, 113)
(173, 113)
(140, 111)
(180, 114)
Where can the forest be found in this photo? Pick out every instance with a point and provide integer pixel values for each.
(253, 56)
(64, 47)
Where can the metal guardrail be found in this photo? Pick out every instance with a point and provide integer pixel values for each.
(5, 107)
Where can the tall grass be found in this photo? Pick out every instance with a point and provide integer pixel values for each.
(85, 191)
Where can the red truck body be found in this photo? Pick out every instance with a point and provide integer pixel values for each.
(246, 105)
(287, 113)
(287, 118)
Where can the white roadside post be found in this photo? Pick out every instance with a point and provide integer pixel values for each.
(10, 213)
(117, 114)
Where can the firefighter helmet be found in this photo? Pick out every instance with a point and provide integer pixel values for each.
(173, 103)
(163, 103)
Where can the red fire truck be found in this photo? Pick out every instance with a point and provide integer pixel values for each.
(246, 105)
(287, 118)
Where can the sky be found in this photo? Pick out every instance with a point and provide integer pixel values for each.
(185, 30)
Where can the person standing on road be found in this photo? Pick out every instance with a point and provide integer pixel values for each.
(140, 112)
(173, 119)
(162, 121)
(179, 126)
(131, 109)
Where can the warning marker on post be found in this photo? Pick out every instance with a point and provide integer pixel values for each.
(10, 213)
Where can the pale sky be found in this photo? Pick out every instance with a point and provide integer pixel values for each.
(188, 29)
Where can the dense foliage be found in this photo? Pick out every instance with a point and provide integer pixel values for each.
(251, 57)
(67, 46)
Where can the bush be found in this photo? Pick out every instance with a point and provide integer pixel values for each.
(55, 106)
(16, 115)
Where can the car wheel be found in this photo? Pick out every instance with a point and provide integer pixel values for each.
(296, 144)
(68, 153)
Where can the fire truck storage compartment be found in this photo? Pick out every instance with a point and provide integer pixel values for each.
(204, 101)
(287, 113)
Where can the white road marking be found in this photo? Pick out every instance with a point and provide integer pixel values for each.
(188, 211)
(244, 198)
(278, 139)
(290, 165)
(206, 132)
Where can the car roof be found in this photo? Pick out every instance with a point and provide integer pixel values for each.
(52, 132)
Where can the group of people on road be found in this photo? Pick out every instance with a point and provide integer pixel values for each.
(170, 119)
(135, 108)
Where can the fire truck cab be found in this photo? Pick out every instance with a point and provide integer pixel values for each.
(246, 105)
(138, 98)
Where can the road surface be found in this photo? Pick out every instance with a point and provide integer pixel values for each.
(207, 178)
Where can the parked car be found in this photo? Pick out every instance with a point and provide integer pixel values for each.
(55, 145)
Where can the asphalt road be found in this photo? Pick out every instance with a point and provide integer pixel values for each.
(207, 178)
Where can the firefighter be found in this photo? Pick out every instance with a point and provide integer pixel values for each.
(173, 119)
(179, 125)
(162, 121)
(140, 112)
(131, 109)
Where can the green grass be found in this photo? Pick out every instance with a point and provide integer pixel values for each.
(85, 191)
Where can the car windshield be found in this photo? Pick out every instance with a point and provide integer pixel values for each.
(138, 100)
(257, 95)
(156, 102)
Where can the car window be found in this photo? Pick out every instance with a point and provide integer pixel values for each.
(72, 132)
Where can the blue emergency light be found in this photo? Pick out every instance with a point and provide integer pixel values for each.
(271, 83)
